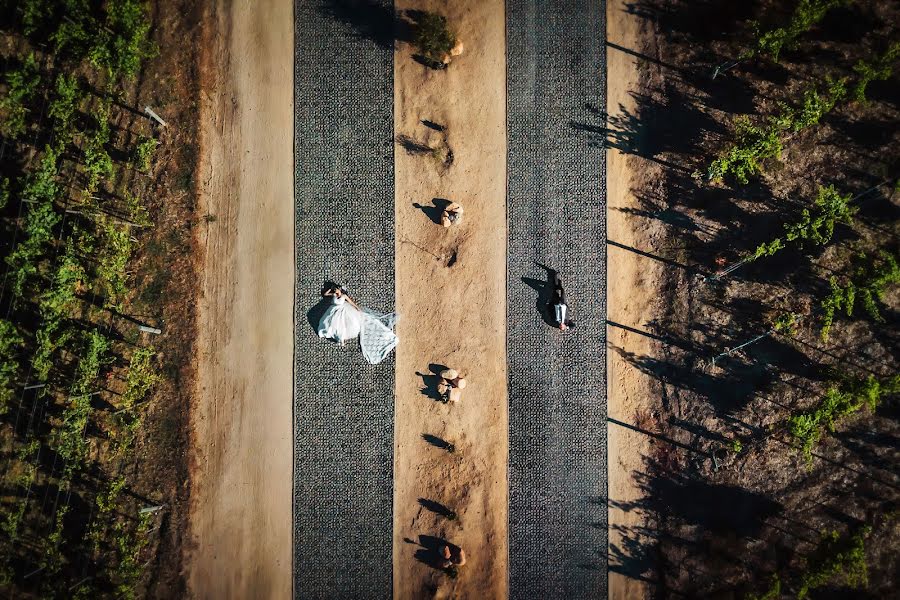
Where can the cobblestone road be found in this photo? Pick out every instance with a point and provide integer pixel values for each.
(343, 407)
(557, 217)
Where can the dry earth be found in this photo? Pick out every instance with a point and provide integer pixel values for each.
(241, 507)
(634, 285)
(241, 495)
(451, 297)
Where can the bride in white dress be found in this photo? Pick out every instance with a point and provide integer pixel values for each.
(345, 320)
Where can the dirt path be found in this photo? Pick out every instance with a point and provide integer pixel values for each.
(241, 495)
(633, 281)
(463, 326)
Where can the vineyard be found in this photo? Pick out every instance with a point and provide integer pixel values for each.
(96, 199)
(768, 144)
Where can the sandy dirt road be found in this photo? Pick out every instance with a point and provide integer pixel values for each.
(631, 292)
(452, 301)
(241, 497)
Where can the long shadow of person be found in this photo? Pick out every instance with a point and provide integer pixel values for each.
(545, 293)
(437, 508)
(431, 381)
(430, 553)
(434, 212)
(314, 314)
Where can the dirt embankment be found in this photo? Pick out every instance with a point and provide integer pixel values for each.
(451, 295)
(728, 497)
(241, 494)
(633, 289)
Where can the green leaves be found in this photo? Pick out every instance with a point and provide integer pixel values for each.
(123, 41)
(840, 401)
(113, 261)
(10, 345)
(97, 162)
(22, 85)
(879, 69)
(754, 143)
(143, 152)
(433, 37)
(837, 556)
(867, 283)
(67, 96)
(830, 207)
(40, 192)
(804, 17)
(75, 226)
(815, 105)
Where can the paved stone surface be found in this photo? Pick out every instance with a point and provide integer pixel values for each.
(343, 407)
(557, 217)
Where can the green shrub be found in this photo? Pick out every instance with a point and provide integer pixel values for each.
(840, 401)
(836, 556)
(867, 283)
(22, 85)
(433, 37)
(879, 69)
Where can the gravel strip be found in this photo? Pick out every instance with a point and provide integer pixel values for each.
(343, 407)
(556, 207)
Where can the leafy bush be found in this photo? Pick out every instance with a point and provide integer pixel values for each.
(879, 69)
(840, 401)
(113, 262)
(22, 84)
(10, 342)
(433, 37)
(97, 163)
(62, 108)
(867, 283)
(754, 143)
(815, 105)
(143, 152)
(830, 207)
(836, 556)
(804, 17)
(124, 41)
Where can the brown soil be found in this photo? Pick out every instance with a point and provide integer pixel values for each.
(463, 326)
(241, 495)
(166, 272)
(720, 527)
(632, 298)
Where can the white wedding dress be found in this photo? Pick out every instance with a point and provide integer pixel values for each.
(342, 322)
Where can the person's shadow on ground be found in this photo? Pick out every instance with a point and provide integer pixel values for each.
(434, 212)
(431, 381)
(314, 314)
(429, 552)
(544, 288)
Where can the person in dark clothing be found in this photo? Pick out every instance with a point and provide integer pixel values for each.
(558, 306)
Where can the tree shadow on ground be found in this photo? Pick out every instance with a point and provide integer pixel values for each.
(371, 20)
(727, 390)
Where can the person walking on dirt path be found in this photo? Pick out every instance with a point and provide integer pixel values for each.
(559, 305)
(452, 215)
(451, 385)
